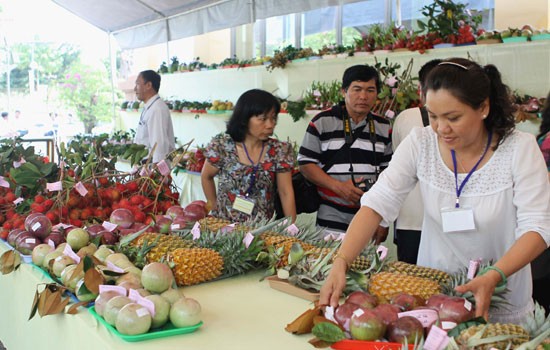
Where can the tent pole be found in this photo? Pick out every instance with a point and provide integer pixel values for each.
(112, 65)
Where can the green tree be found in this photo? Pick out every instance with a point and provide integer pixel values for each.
(52, 61)
(88, 92)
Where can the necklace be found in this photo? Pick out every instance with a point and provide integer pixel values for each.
(481, 156)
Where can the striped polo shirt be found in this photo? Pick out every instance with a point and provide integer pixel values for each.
(321, 144)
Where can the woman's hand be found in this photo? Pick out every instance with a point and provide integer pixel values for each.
(482, 287)
(334, 285)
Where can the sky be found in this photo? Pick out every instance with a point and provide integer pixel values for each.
(45, 21)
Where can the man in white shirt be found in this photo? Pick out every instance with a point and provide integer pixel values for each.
(408, 225)
(155, 129)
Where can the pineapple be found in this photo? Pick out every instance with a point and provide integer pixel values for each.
(386, 284)
(418, 271)
(195, 265)
(165, 244)
(493, 335)
(213, 224)
(361, 263)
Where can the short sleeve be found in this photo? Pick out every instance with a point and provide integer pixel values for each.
(216, 151)
(286, 157)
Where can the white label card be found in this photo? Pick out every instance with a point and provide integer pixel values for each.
(4, 183)
(457, 220)
(79, 187)
(117, 289)
(163, 167)
(54, 186)
(437, 339)
(244, 205)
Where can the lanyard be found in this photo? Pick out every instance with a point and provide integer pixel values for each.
(254, 166)
(348, 137)
(459, 189)
(146, 109)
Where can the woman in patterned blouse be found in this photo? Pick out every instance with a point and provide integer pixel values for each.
(249, 163)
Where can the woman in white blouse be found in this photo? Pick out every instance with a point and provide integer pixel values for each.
(484, 186)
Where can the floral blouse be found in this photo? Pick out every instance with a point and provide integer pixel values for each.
(235, 178)
(544, 143)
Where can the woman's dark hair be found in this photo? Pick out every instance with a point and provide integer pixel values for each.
(251, 103)
(545, 115)
(472, 84)
(153, 77)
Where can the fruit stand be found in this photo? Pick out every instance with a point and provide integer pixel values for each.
(238, 313)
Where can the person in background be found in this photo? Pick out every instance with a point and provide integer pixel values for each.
(409, 221)
(484, 186)
(250, 164)
(540, 267)
(352, 169)
(19, 124)
(155, 129)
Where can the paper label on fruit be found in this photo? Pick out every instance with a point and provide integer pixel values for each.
(79, 187)
(68, 251)
(467, 305)
(30, 240)
(227, 228)
(196, 231)
(292, 230)
(36, 226)
(113, 267)
(51, 243)
(175, 227)
(447, 325)
(472, 269)
(54, 186)
(163, 167)
(146, 303)
(248, 238)
(329, 314)
(18, 200)
(4, 183)
(382, 251)
(437, 339)
(109, 226)
(142, 312)
(358, 312)
(426, 316)
(109, 288)
(61, 225)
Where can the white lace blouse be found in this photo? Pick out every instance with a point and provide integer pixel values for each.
(510, 195)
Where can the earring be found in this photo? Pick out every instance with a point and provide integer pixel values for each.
(484, 116)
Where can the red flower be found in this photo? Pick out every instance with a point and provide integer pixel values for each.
(267, 165)
(271, 152)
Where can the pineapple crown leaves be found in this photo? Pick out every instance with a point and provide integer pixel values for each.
(477, 339)
(534, 343)
(537, 323)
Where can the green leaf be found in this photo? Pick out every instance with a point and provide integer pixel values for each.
(328, 332)
(88, 263)
(26, 175)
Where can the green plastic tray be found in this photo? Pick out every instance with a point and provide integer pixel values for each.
(540, 37)
(514, 39)
(167, 330)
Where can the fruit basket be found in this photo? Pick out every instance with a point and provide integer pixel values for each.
(167, 330)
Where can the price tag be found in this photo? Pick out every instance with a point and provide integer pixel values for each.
(110, 288)
(54, 186)
(109, 226)
(144, 172)
(358, 312)
(4, 183)
(30, 240)
(472, 269)
(467, 305)
(426, 316)
(248, 238)
(228, 228)
(146, 303)
(437, 339)
(163, 167)
(196, 231)
(17, 164)
(17, 201)
(382, 251)
(292, 230)
(36, 226)
(68, 251)
(79, 187)
(113, 267)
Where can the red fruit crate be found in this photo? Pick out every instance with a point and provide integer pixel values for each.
(367, 345)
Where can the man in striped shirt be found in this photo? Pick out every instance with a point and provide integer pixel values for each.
(351, 168)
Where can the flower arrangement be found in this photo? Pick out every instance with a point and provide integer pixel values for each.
(398, 91)
(322, 95)
(453, 22)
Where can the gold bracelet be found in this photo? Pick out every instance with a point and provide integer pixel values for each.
(343, 257)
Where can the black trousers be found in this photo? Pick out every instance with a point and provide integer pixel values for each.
(407, 245)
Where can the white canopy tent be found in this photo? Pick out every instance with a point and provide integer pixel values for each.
(140, 23)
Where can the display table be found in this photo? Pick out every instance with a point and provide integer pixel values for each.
(238, 313)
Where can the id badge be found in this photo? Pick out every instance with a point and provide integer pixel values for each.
(244, 204)
(457, 219)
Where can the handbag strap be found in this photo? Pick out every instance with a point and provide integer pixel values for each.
(425, 118)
